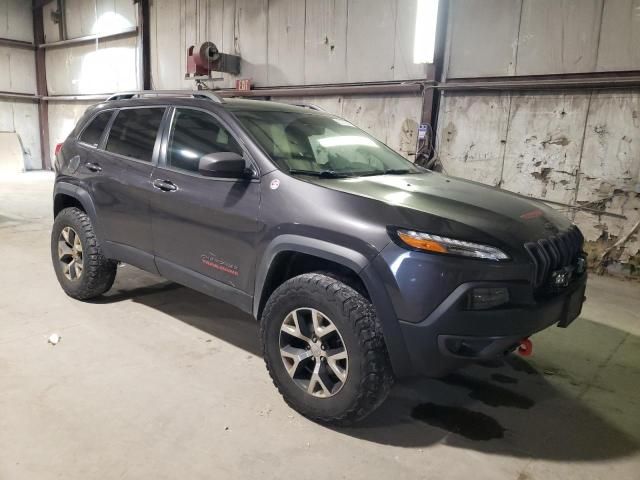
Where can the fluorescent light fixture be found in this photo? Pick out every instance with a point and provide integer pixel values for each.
(425, 35)
(346, 140)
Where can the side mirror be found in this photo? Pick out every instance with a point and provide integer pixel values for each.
(223, 164)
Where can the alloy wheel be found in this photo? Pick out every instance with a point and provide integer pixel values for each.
(70, 253)
(313, 352)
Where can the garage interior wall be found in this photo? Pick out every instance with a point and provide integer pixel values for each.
(573, 147)
(19, 116)
(578, 146)
(281, 42)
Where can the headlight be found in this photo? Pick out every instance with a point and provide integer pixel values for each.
(438, 244)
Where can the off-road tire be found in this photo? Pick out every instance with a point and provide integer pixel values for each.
(369, 377)
(98, 273)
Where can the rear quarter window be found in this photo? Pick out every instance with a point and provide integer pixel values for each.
(93, 131)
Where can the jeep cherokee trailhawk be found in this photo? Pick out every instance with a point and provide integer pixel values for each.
(359, 266)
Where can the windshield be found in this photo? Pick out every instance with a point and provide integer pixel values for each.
(321, 145)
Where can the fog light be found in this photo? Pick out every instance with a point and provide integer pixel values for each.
(484, 298)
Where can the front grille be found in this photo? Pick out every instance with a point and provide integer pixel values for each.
(552, 253)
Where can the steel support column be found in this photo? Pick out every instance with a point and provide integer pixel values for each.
(41, 85)
(144, 43)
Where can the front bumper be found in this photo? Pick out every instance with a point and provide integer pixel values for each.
(451, 336)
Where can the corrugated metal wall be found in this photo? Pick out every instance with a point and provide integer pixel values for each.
(289, 42)
(18, 75)
(281, 42)
(574, 147)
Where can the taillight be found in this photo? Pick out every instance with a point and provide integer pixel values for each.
(57, 149)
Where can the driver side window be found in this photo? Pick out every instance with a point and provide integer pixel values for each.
(195, 133)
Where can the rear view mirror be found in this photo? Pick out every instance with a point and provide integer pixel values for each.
(223, 164)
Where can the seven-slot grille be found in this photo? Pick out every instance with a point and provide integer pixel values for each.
(553, 253)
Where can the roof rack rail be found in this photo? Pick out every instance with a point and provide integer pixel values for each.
(310, 106)
(167, 93)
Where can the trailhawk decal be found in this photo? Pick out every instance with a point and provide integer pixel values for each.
(211, 261)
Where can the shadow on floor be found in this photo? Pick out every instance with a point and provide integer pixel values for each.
(506, 407)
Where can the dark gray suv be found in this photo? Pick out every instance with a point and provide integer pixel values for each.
(359, 265)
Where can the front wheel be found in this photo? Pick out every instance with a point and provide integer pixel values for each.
(324, 349)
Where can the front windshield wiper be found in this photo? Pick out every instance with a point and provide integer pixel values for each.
(321, 173)
(390, 171)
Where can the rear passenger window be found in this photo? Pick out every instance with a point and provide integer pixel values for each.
(92, 133)
(133, 133)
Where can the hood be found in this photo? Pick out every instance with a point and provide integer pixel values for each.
(496, 213)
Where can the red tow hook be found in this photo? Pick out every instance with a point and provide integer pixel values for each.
(526, 347)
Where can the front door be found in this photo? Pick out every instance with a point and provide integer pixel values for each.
(204, 229)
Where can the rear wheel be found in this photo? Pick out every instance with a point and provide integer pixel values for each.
(324, 349)
(82, 270)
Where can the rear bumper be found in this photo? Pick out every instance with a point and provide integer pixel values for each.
(452, 336)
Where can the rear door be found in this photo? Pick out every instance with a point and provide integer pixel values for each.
(121, 183)
(204, 228)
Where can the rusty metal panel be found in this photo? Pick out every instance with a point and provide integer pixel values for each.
(286, 42)
(16, 20)
(558, 37)
(403, 66)
(370, 40)
(325, 42)
(251, 32)
(22, 117)
(472, 136)
(544, 143)
(18, 70)
(620, 36)
(483, 37)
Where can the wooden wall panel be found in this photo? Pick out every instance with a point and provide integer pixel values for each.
(619, 47)
(403, 66)
(371, 29)
(483, 37)
(325, 41)
(22, 117)
(18, 70)
(251, 32)
(286, 42)
(16, 20)
(558, 37)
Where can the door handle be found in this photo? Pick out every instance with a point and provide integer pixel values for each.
(164, 185)
(94, 167)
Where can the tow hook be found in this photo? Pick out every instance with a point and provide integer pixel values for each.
(526, 347)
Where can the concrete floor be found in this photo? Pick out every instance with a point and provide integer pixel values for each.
(157, 381)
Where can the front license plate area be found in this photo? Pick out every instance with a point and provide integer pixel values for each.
(572, 308)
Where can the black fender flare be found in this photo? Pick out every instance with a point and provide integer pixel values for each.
(82, 196)
(355, 261)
